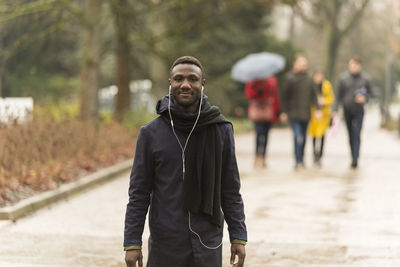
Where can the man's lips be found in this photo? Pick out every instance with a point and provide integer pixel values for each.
(185, 93)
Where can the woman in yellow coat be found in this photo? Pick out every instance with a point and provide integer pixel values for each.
(319, 123)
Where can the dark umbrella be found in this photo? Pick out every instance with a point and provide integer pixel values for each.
(257, 66)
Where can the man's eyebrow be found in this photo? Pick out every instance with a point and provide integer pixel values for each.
(189, 75)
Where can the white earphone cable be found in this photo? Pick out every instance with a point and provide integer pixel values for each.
(183, 148)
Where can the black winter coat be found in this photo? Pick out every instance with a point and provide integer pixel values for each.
(348, 86)
(156, 181)
(298, 95)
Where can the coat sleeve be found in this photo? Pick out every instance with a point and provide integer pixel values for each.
(285, 94)
(140, 188)
(313, 94)
(370, 93)
(231, 199)
(249, 91)
(339, 92)
(278, 105)
(275, 89)
(328, 93)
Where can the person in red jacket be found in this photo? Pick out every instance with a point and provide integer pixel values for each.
(264, 106)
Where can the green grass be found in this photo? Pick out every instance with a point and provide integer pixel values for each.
(241, 125)
(135, 119)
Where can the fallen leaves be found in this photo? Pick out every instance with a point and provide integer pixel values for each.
(42, 155)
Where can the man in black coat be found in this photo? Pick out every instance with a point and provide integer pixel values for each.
(185, 169)
(297, 96)
(353, 91)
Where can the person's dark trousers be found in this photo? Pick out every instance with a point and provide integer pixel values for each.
(318, 148)
(354, 125)
(299, 130)
(262, 131)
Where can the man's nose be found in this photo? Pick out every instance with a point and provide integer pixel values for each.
(185, 84)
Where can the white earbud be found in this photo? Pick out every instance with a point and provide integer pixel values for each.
(169, 90)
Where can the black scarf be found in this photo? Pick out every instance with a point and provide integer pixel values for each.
(203, 157)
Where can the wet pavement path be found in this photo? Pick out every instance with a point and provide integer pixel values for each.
(328, 216)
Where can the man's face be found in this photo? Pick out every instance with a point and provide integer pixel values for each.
(354, 67)
(300, 65)
(186, 82)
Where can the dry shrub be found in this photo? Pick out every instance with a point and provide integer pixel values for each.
(41, 155)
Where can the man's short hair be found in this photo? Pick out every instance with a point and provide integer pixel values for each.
(357, 59)
(187, 60)
(299, 55)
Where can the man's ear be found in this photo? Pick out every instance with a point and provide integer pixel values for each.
(169, 81)
(203, 82)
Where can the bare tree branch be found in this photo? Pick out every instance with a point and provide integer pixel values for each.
(324, 6)
(300, 11)
(355, 18)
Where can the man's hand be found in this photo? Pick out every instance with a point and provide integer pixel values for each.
(239, 250)
(283, 117)
(360, 99)
(133, 256)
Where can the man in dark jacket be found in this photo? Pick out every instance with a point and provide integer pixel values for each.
(185, 169)
(298, 95)
(353, 91)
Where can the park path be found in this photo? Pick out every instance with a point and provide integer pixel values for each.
(331, 216)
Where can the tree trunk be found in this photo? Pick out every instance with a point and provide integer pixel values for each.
(388, 90)
(158, 68)
(357, 42)
(123, 75)
(89, 107)
(1, 81)
(2, 63)
(332, 52)
(292, 25)
(333, 41)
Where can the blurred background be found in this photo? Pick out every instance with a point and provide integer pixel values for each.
(79, 77)
(54, 50)
(68, 65)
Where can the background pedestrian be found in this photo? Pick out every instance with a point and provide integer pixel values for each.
(264, 106)
(319, 125)
(352, 92)
(298, 95)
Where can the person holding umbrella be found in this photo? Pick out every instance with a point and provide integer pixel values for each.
(257, 71)
(298, 95)
(264, 106)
